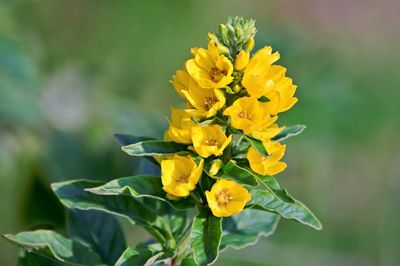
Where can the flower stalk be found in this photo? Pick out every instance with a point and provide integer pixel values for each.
(218, 160)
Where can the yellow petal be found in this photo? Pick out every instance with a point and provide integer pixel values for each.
(215, 166)
(242, 60)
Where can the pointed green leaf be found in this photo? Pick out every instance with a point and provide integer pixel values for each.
(212, 121)
(142, 254)
(136, 186)
(257, 144)
(246, 228)
(243, 171)
(232, 170)
(73, 195)
(270, 183)
(56, 246)
(140, 186)
(188, 262)
(154, 148)
(125, 139)
(32, 259)
(241, 146)
(150, 187)
(289, 132)
(100, 230)
(265, 200)
(205, 237)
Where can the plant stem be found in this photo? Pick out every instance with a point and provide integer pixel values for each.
(183, 245)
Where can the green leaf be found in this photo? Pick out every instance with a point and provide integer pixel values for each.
(150, 187)
(136, 186)
(267, 182)
(188, 262)
(100, 230)
(212, 121)
(205, 237)
(154, 148)
(33, 259)
(239, 174)
(246, 228)
(272, 184)
(257, 144)
(73, 195)
(265, 200)
(54, 245)
(289, 132)
(140, 186)
(125, 139)
(142, 254)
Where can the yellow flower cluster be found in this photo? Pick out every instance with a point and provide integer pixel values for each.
(224, 95)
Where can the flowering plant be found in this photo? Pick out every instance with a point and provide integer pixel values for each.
(213, 186)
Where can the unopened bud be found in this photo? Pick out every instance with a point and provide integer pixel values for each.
(239, 34)
(242, 60)
(215, 167)
(224, 34)
(249, 45)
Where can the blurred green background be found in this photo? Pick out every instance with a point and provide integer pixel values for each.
(74, 72)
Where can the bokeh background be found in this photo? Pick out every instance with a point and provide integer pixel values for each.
(74, 72)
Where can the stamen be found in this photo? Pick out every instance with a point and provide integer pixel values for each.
(183, 179)
(244, 114)
(211, 141)
(264, 158)
(224, 197)
(217, 74)
(209, 102)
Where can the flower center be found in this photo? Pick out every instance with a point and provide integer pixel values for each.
(209, 102)
(216, 74)
(224, 197)
(265, 158)
(244, 115)
(182, 179)
(211, 141)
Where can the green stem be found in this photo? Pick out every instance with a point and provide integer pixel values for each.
(197, 197)
(156, 234)
(183, 245)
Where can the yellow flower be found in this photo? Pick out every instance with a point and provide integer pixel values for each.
(209, 140)
(180, 127)
(260, 76)
(200, 102)
(180, 174)
(210, 69)
(227, 198)
(180, 81)
(281, 98)
(267, 165)
(205, 103)
(242, 60)
(249, 115)
(221, 48)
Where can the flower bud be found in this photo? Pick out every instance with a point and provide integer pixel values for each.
(242, 60)
(239, 34)
(224, 34)
(249, 45)
(215, 167)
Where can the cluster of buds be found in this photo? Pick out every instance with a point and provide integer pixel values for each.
(232, 100)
